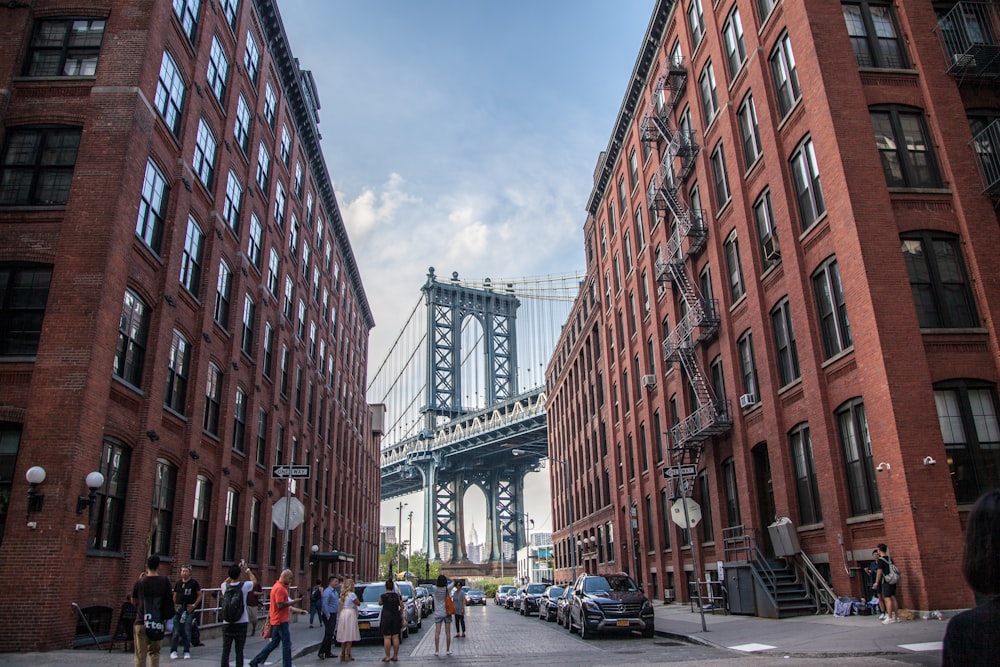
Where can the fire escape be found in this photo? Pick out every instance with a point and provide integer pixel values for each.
(699, 322)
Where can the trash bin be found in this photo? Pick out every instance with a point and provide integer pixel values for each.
(783, 537)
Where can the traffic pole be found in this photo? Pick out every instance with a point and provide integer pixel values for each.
(686, 486)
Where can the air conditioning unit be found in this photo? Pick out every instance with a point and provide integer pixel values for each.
(648, 380)
(769, 245)
(746, 400)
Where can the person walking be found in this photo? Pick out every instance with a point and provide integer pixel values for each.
(877, 590)
(235, 632)
(458, 598)
(347, 620)
(281, 608)
(441, 615)
(392, 621)
(330, 606)
(187, 596)
(151, 595)
(315, 602)
(888, 590)
(972, 638)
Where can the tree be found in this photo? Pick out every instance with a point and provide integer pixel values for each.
(419, 566)
(387, 561)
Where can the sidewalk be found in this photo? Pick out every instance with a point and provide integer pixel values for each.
(803, 636)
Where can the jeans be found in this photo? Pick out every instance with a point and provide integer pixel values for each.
(460, 624)
(145, 647)
(233, 633)
(314, 611)
(330, 625)
(279, 635)
(182, 631)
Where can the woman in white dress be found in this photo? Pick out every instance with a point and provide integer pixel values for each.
(347, 620)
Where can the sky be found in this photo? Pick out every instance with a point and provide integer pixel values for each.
(463, 135)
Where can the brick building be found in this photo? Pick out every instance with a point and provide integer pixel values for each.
(180, 310)
(792, 286)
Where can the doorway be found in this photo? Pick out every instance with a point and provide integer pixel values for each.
(765, 495)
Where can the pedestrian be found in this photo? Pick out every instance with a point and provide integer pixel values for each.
(392, 620)
(330, 601)
(888, 590)
(152, 597)
(458, 598)
(315, 602)
(235, 632)
(254, 607)
(187, 596)
(281, 607)
(347, 620)
(876, 590)
(441, 615)
(973, 637)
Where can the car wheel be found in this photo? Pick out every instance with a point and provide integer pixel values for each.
(569, 623)
(584, 634)
(648, 633)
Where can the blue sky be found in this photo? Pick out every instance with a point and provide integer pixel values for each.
(463, 135)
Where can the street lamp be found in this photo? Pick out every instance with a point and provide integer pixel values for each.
(569, 504)
(399, 535)
(409, 543)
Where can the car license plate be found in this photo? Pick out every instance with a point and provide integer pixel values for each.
(367, 626)
(623, 622)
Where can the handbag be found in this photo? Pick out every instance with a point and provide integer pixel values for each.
(265, 629)
(449, 606)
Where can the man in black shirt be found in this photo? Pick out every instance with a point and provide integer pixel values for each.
(187, 595)
(151, 587)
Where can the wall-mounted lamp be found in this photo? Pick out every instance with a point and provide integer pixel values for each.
(249, 483)
(194, 455)
(225, 470)
(929, 461)
(35, 476)
(95, 480)
(152, 435)
(882, 467)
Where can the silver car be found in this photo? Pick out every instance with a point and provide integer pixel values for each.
(370, 611)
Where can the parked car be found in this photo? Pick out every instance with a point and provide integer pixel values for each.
(475, 596)
(370, 611)
(609, 603)
(562, 606)
(514, 598)
(425, 601)
(548, 603)
(500, 597)
(529, 599)
(414, 621)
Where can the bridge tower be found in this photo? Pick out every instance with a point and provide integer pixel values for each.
(449, 304)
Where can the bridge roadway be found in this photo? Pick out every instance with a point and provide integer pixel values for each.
(475, 442)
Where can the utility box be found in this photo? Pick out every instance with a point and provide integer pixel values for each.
(784, 538)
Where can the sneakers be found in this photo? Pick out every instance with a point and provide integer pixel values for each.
(187, 656)
(882, 617)
(173, 655)
(890, 620)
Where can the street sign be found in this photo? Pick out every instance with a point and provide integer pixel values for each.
(680, 471)
(693, 512)
(288, 513)
(294, 472)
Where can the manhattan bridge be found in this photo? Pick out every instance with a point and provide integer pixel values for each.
(463, 387)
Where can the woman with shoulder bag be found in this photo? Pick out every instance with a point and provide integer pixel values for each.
(442, 615)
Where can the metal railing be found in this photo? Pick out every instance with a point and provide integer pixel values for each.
(968, 35)
(986, 144)
(819, 590)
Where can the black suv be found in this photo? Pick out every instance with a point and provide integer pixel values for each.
(529, 601)
(609, 603)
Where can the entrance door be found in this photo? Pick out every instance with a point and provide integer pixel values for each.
(765, 496)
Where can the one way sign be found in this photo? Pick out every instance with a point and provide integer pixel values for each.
(294, 472)
(680, 471)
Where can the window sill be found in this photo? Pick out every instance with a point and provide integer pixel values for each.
(943, 331)
(888, 70)
(810, 526)
(125, 383)
(837, 357)
(919, 191)
(101, 553)
(864, 518)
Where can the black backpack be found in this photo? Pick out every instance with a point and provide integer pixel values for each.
(316, 594)
(152, 619)
(232, 603)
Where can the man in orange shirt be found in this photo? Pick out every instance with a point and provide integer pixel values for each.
(280, 608)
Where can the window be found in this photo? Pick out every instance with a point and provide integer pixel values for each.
(268, 365)
(239, 421)
(832, 309)
(748, 367)
(37, 165)
(108, 512)
(633, 169)
(736, 48)
(270, 105)
(298, 180)
(786, 78)
(784, 342)
(905, 149)
(199, 522)
(806, 486)
(169, 97)
(254, 244)
(704, 499)
(640, 232)
(251, 59)
(24, 291)
(229, 535)
(763, 215)
(732, 496)
(273, 272)
(622, 200)
(941, 291)
(213, 399)
(246, 343)
(719, 384)
(162, 521)
(253, 548)
(289, 297)
(967, 413)
(852, 425)
(187, 14)
(218, 70)
(301, 331)
(765, 7)
(719, 177)
(152, 207)
(709, 98)
(732, 249)
(241, 129)
(286, 145)
(665, 507)
(229, 9)
(808, 190)
(223, 290)
(65, 47)
(696, 23)
(872, 30)
(178, 360)
(279, 206)
(204, 154)
(132, 330)
(284, 370)
(10, 443)
(234, 201)
(261, 436)
(749, 132)
(194, 240)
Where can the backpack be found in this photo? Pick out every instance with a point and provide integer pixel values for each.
(891, 577)
(152, 619)
(316, 594)
(232, 603)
